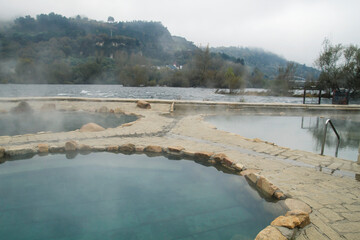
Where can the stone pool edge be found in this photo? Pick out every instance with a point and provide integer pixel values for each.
(169, 107)
(283, 227)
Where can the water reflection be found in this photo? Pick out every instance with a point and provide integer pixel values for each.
(303, 133)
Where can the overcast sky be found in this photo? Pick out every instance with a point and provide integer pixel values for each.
(294, 29)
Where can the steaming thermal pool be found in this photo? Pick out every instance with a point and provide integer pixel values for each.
(116, 196)
(57, 121)
(296, 132)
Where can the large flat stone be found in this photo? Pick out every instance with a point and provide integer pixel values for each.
(294, 204)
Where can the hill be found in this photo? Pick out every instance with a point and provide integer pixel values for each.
(268, 63)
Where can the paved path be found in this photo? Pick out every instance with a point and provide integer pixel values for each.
(326, 183)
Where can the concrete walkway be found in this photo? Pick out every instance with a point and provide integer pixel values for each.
(325, 183)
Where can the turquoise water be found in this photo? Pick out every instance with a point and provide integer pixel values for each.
(303, 133)
(108, 196)
(55, 121)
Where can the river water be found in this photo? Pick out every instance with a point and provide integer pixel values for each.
(118, 91)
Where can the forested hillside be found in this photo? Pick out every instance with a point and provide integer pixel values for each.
(268, 63)
(51, 48)
(54, 49)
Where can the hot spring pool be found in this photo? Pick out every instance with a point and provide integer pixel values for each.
(56, 121)
(108, 196)
(303, 133)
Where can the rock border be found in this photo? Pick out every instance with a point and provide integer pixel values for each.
(283, 227)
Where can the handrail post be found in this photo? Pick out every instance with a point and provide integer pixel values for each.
(324, 138)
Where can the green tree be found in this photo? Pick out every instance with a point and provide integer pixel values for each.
(340, 67)
(351, 68)
(329, 65)
(233, 81)
(256, 79)
(283, 81)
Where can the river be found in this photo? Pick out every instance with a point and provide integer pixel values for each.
(118, 91)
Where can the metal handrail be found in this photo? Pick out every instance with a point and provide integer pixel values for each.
(324, 139)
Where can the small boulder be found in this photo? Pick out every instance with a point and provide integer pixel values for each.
(22, 107)
(175, 149)
(143, 104)
(71, 146)
(153, 149)
(43, 148)
(301, 215)
(127, 147)
(112, 148)
(279, 195)
(56, 149)
(91, 127)
(239, 167)
(286, 221)
(84, 148)
(227, 162)
(139, 149)
(270, 233)
(188, 153)
(203, 155)
(219, 157)
(252, 177)
(266, 186)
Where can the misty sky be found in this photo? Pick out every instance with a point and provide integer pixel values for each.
(294, 29)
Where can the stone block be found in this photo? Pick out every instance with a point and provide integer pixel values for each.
(266, 186)
(253, 177)
(153, 149)
(238, 166)
(43, 148)
(227, 162)
(203, 155)
(301, 215)
(175, 149)
(286, 221)
(91, 127)
(270, 233)
(188, 153)
(56, 149)
(279, 195)
(112, 148)
(98, 148)
(20, 151)
(129, 147)
(143, 104)
(71, 146)
(219, 157)
(139, 149)
(84, 148)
